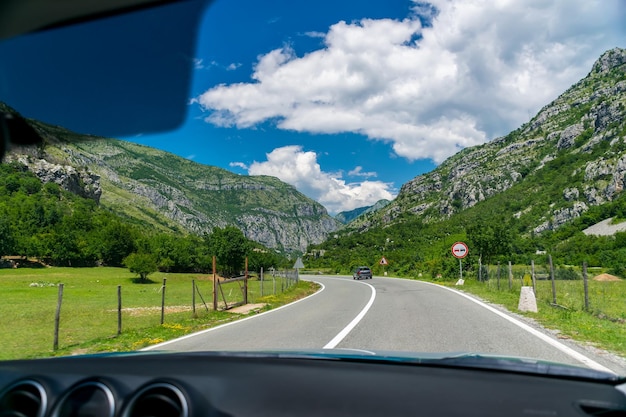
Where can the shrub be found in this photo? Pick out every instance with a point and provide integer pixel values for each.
(566, 274)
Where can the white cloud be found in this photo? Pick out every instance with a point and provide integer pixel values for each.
(313, 34)
(198, 63)
(238, 165)
(478, 72)
(300, 168)
(358, 172)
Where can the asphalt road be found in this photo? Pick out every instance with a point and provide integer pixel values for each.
(391, 314)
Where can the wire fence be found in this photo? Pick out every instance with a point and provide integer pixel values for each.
(571, 288)
(135, 306)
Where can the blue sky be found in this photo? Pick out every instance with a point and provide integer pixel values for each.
(348, 100)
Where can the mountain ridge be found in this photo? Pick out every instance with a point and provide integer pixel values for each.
(585, 118)
(346, 217)
(173, 193)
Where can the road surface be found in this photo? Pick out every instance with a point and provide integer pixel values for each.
(391, 314)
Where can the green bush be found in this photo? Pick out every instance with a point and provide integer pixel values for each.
(566, 274)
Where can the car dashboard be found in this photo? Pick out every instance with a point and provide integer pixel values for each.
(160, 384)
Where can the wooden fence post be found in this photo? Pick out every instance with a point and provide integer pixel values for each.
(119, 310)
(57, 319)
(510, 276)
(498, 276)
(214, 286)
(163, 301)
(193, 299)
(586, 286)
(245, 284)
(552, 279)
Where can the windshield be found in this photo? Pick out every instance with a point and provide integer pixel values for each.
(441, 178)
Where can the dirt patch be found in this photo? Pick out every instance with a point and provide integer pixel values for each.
(606, 278)
(209, 277)
(247, 308)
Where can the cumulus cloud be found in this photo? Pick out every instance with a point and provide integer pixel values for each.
(475, 69)
(300, 168)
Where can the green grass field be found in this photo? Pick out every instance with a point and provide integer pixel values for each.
(88, 321)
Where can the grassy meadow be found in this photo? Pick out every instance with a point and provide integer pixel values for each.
(88, 320)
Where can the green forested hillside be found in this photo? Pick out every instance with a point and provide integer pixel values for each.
(45, 222)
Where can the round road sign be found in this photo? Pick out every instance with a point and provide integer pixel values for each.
(459, 250)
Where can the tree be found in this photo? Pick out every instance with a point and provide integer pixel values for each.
(6, 238)
(142, 264)
(230, 247)
(177, 253)
(489, 240)
(261, 257)
(116, 242)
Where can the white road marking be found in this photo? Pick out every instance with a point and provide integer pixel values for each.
(342, 334)
(554, 343)
(158, 345)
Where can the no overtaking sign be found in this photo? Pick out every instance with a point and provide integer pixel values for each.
(459, 250)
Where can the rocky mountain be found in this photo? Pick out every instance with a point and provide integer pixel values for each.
(346, 217)
(167, 192)
(570, 156)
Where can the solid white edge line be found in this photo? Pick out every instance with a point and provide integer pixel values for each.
(342, 334)
(188, 336)
(554, 343)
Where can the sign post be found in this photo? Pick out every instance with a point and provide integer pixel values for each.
(383, 262)
(460, 251)
(297, 266)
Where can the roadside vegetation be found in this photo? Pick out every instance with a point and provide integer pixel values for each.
(492, 233)
(603, 325)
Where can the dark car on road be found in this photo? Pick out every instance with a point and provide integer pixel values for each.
(362, 272)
